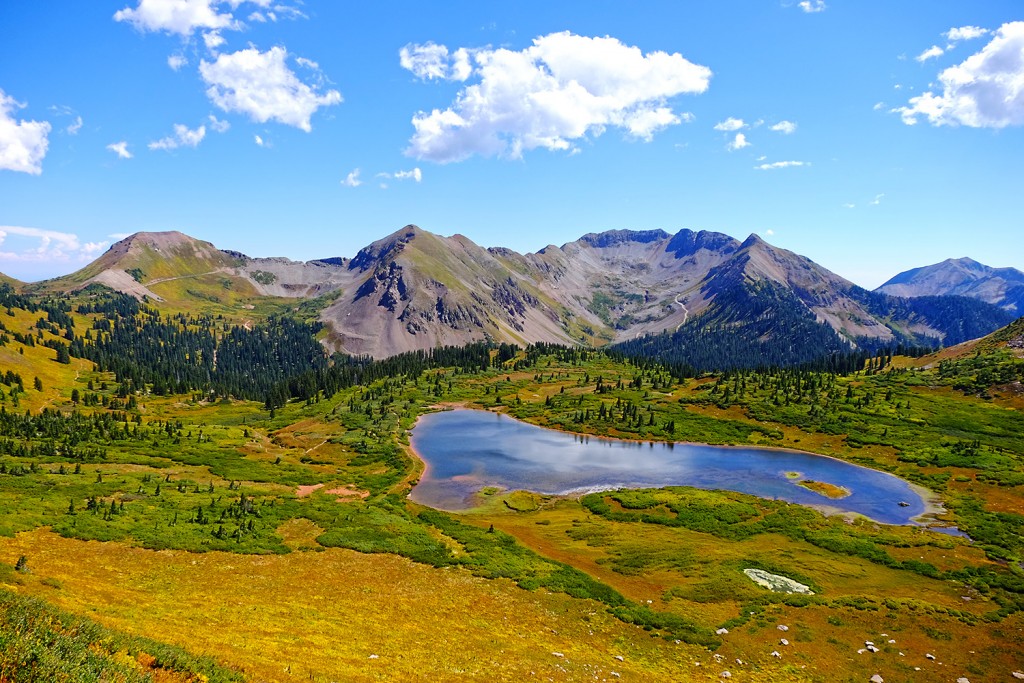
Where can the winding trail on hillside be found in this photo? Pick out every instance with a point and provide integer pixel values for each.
(182, 277)
(686, 313)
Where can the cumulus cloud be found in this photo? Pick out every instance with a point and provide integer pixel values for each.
(217, 125)
(352, 179)
(784, 127)
(261, 85)
(120, 149)
(965, 33)
(23, 144)
(730, 124)
(849, 205)
(176, 62)
(183, 137)
(36, 244)
(930, 53)
(561, 89)
(431, 61)
(984, 91)
(812, 6)
(182, 17)
(781, 164)
(212, 40)
(74, 126)
(878, 199)
(738, 142)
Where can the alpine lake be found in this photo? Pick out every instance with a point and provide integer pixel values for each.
(466, 451)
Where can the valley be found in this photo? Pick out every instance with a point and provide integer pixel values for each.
(148, 502)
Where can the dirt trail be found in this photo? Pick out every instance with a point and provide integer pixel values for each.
(183, 277)
(686, 313)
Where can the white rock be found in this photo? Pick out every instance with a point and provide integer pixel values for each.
(616, 674)
(620, 658)
(725, 674)
(962, 679)
(739, 661)
(1018, 675)
(873, 648)
(783, 641)
(782, 627)
(373, 657)
(877, 679)
(861, 651)
(722, 632)
(892, 642)
(868, 642)
(930, 656)
(776, 653)
(557, 654)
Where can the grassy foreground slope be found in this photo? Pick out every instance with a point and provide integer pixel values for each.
(228, 527)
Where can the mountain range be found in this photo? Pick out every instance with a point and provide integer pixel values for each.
(414, 289)
(1003, 287)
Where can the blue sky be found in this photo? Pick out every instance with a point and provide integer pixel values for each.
(870, 136)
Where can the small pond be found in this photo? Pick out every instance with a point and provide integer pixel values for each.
(467, 450)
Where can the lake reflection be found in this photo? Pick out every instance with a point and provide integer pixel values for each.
(466, 450)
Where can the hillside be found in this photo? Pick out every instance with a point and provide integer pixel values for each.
(178, 269)
(1003, 287)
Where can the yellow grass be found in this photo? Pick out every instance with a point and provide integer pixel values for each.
(322, 615)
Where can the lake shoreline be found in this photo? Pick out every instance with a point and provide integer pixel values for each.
(927, 518)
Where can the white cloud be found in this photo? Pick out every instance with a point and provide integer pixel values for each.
(176, 62)
(848, 205)
(23, 144)
(769, 232)
(46, 245)
(811, 6)
(183, 137)
(878, 199)
(415, 174)
(258, 17)
(781, 164)
(730, 124)
(261, 85)
(260, 142)
(119, 235)
(75, 126)
(784, 127)
(562, 88)
(217, 125)
(120, 149)
(352, 179)
(879, 106)
(965, 33)
(984, 91)
(431, 61)
(930, 53)
(175, 16)
(738, 142)
(212, 40)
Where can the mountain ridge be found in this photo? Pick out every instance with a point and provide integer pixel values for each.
(963, 277)
(414, 289)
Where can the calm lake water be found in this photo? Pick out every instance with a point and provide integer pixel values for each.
(467, 450)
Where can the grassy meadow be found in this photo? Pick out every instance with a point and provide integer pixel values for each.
(278, 545)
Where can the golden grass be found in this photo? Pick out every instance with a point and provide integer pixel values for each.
(825, 489)
(323, 615)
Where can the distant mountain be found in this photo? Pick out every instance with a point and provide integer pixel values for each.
(171, 266)
(1003, 287)
(415, 290)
